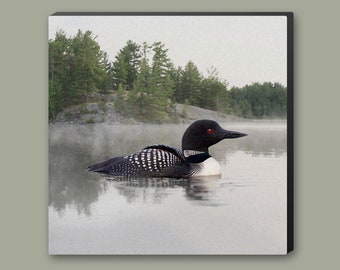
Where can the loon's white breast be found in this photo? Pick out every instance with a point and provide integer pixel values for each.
(209, 167)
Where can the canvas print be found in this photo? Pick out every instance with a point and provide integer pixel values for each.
(170, 133)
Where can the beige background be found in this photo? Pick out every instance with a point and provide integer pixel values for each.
(23, 144)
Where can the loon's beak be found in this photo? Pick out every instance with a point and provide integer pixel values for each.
(228, 134)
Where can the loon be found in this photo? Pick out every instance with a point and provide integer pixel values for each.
(165, 161)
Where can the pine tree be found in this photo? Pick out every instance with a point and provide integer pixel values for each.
(86, 70)
(140, 98)
(55, 102)
(259, 100)
(190, 84)
(213, 94)
(76, 69)
(59, 67)
(120, 102)
(120, 71)
(107, 82)
(125, 68)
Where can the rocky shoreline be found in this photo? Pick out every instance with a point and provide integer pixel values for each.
(104, 112)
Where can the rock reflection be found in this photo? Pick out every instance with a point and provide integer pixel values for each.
(65, 192)
(69, 183)
(81, 194)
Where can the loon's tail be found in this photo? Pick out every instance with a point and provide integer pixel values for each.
(104, 167)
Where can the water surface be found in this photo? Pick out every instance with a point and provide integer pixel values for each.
(241, 212)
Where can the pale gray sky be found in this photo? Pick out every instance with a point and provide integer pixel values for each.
(243, 49)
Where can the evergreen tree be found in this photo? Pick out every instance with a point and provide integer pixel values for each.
(163, 70)
(59, 68)
(239, 102)
(133, 62)
(107, 82)
(55, 101)
(120, 103)
(190, 85)
(153, 88)
(87, 69)
(160, 61)
(176, 75)
(120, 71)
(76, 69)
(125, 68)
(140, 99)
(58, 50)
(259, 100)
(213, 94)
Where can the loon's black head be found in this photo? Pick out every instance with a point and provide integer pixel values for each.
(202, 134)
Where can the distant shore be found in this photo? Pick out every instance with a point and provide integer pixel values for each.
(99, 112)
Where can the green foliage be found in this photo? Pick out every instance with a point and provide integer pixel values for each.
(141, 99)
(189, 84)
(120, 101)
(125, 68)
(90, 121)
(107, 83)
(120, 71)
(77, 66)
(214, 95)
(87, 69)
(54, 98)
(152, 90)
(147, 84)
(149, 96)
(259, 100)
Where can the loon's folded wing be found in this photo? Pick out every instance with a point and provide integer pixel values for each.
(152, 161)
(171, 150)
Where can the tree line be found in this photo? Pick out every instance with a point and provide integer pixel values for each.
(146, 83)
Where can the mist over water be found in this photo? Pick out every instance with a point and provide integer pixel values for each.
(241, 212)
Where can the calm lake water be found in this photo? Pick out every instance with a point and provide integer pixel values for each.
(241, 212)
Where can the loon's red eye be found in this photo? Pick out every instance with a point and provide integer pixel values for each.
(210, 130)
